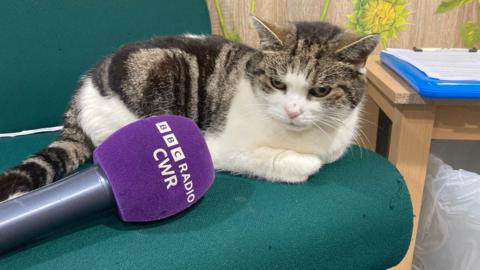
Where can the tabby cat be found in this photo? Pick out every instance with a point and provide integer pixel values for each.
(277, 113)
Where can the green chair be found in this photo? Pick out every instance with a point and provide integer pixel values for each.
(353, 214)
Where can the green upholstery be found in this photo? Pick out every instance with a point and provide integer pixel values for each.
(14, 150)
(354, 214)
(47, 45)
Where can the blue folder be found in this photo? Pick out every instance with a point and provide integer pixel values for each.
(430, 87)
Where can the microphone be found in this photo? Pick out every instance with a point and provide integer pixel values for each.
(150, 169)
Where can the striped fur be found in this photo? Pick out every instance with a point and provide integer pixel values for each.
(70, 150)
(211, 81)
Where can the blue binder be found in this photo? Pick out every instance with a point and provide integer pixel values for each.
(430, 87)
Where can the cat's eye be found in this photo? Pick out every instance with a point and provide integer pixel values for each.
(320, 91)
(278, 84)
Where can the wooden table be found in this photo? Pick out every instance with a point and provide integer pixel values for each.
(415, 121)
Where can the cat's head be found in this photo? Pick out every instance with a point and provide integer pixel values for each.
(309, 74)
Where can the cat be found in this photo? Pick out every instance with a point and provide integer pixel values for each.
(278, 112)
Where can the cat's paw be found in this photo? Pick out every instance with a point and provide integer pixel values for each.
(274, 165)
(292, 167)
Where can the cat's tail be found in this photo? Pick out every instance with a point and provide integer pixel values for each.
(71, 149)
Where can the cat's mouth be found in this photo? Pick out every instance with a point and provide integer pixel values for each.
(297, 126)
(291, 124)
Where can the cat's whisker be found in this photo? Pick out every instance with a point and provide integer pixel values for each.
(361, 135)
(355, 139)
(363, 120)
(322, 130)
(333, 121)
(327, 124)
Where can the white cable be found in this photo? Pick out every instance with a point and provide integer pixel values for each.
(31, 131)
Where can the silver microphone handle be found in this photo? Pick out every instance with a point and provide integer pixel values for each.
(24, 218)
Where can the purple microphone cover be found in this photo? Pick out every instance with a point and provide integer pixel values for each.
(156, 167)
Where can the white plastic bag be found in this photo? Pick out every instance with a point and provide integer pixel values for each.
(448, 237)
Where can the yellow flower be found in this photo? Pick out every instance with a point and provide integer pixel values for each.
(384, 17)
(379, 14)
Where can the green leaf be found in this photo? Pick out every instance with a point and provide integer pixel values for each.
(448, 5)
(470, 34)
(233, 36)
(252, 7)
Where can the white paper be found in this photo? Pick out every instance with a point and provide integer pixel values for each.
(443, 64)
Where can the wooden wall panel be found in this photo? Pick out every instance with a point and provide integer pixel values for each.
(434, 30)
(427, 29)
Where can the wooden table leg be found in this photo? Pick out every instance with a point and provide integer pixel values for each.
(409, 149)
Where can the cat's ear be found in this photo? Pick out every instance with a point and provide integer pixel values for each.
(355, 49)
(272, 36)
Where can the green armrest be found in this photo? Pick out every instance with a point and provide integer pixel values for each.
(353, 214)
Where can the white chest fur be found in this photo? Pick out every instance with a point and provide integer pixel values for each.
(100, 116)
(248, 128)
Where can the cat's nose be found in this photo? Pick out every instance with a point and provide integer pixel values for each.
(293, 112)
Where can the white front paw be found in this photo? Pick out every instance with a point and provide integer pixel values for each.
(292, 167)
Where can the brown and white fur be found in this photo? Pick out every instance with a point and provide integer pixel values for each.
(277, 113)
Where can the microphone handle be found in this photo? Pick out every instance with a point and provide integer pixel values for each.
(26, 217)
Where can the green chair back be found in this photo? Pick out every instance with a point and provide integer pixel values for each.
(47, 45)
